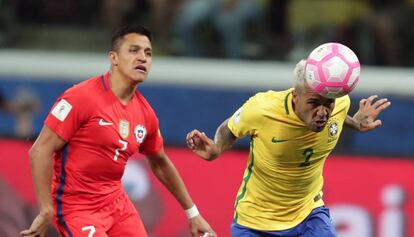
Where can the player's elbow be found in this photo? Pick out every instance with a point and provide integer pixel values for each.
(33, 153)
(212, 157)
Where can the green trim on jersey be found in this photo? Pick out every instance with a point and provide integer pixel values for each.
(246, 178)
(286, 103)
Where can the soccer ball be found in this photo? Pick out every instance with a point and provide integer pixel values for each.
(332, 70)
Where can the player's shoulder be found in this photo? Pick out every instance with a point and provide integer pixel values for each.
(343, 101)
(86, 87)
(270, 98)
(83, 93)
(145, 105)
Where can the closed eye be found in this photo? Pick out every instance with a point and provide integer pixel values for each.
(314, 103)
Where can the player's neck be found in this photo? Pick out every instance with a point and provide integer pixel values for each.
(123, 88)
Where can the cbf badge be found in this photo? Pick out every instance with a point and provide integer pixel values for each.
(140, 133)
(332, 127)
(332, 130)
(124, 128)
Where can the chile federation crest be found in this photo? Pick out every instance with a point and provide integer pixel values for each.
(140, 133)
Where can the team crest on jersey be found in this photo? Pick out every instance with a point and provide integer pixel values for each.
(124, 128)
(333, 127)
(333, 130)
(140, 133)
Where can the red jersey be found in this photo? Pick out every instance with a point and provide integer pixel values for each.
(101, 133)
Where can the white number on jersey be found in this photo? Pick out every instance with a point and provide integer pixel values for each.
(91, 229)
(123, 148)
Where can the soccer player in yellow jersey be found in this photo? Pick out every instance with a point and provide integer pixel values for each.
(292, 133)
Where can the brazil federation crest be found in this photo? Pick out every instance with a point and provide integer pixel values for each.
(124, 128)
(333, 128)
(140, 133)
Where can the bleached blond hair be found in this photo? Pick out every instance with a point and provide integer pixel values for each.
(299, 76)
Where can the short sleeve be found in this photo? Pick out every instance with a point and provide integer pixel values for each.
(68, 114)
(342, 106)
(153, 141)
(247, 119)
(348, 103)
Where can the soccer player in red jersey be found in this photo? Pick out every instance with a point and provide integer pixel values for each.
(90, 132)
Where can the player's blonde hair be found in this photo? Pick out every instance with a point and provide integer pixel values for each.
(299, 76)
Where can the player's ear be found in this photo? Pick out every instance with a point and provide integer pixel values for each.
(295, 96)
(113, 58)
(294, 93)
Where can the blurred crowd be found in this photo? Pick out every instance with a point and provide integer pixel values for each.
(23, 106)
(380, 31)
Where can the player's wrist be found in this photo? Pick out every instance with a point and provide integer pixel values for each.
(357, 121)
(215, 151)
(212, 155)
(192, 212)
(46, 213)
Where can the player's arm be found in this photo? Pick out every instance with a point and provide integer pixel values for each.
(208, 149)
(365, 119)
(166, 172)
(41, 163)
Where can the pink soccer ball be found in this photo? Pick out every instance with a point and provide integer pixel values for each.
(332, 70)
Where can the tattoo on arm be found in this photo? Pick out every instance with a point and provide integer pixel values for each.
(349, 121)
(352, 123)
(224, 138)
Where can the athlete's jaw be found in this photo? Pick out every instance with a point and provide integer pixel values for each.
(139, 73)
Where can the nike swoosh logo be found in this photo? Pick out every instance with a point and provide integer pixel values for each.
(274, 140)
(103, 123)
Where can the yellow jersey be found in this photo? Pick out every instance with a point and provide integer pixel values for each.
(283, 180)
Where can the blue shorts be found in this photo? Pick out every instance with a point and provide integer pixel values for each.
(317, 224)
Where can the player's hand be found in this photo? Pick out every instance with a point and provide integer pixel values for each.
(368, 112)
(39, 226)
(200, 228)
(203, 146)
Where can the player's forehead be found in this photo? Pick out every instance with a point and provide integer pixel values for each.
(137, 40)
(313, 96)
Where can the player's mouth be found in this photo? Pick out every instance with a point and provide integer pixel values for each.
(141, 68)
(320, 123)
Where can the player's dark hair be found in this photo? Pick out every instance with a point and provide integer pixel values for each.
(128, 29)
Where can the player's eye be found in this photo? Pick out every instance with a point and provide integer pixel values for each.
(330, 104)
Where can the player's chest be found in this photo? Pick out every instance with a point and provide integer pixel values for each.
(289, 144)
(117, 128)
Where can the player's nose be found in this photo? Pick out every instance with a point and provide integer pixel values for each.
(322, 111)
(141, 56)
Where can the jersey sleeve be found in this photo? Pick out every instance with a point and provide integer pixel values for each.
(247, 119)
(342, 107)
(348, 103)
(68, 113)
(153, 141)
